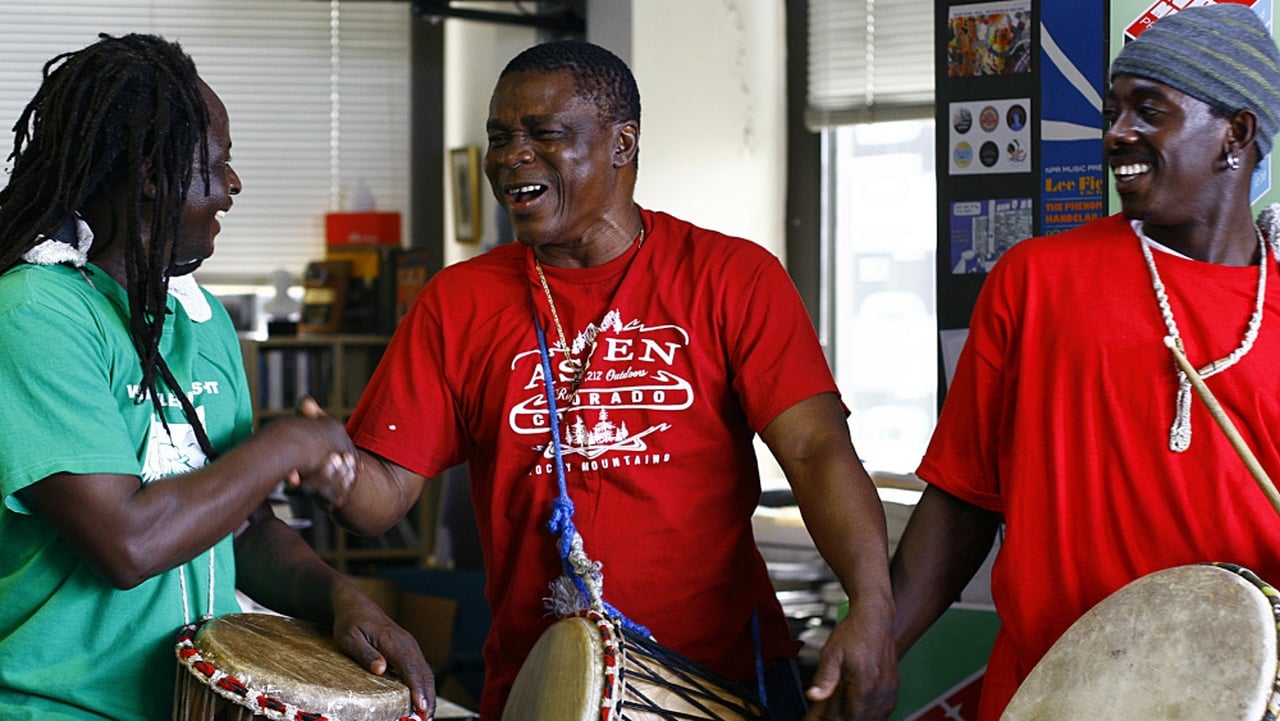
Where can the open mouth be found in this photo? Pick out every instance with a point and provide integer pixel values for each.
(185, 267)
(524, 194)
(1127, 172)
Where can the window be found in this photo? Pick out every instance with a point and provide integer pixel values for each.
(318, 98)
(882, 189)
(870, 93)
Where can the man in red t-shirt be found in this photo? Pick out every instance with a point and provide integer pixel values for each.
(668, 348)
(1066, 419)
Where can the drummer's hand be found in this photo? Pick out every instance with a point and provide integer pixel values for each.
(365, 633)
(857, 676)
(331, 480)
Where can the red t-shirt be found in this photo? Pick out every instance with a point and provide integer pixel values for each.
(1059, 416)
(700, 341)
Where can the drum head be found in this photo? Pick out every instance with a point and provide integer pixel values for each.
(562, 679)
(1191, 642)
(291, 660)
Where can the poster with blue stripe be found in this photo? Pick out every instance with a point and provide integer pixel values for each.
(1072, 175)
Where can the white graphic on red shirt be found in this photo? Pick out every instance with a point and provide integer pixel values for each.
(631, 369)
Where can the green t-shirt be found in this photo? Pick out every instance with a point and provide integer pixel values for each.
(72, 646)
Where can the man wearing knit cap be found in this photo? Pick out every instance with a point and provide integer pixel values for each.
(1068, 426)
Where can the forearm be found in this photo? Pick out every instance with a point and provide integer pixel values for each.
(131, 531)
(845, 519)
(276, 568)
(945, 542)
(857, 674)
(839, 503)
(383, 493)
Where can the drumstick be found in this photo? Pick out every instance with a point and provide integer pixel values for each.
(1219, 415)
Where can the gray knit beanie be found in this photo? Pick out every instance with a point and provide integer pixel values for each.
(1220, 54)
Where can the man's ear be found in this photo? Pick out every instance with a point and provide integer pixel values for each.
(626, 143)
(1243, 133)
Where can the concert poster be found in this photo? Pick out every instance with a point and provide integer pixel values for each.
(991, 38)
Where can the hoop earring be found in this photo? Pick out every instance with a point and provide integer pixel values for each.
(1233, 160)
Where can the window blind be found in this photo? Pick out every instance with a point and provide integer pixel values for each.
(311, 119)
(869, 60)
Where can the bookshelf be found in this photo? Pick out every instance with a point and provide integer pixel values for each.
(333, 368)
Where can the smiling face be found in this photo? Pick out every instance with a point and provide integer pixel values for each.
(1166, 152)
(561, 172)
(203, 207)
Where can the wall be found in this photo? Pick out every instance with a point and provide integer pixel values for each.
(713, 133)
(475, 52)
(711, 76)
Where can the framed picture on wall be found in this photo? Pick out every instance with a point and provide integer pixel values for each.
(464, 167)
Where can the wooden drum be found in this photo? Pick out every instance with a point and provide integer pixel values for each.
(253, 665)
(582, 669)
(1190, 642)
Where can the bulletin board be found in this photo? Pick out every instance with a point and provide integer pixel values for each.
(1019, 88)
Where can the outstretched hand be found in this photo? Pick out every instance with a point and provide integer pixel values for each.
(857, 676)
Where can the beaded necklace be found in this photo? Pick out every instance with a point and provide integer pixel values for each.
(1180, 431)
(579, 366)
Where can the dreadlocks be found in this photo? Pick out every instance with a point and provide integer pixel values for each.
(109, 119)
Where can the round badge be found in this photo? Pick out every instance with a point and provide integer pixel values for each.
(1016, 117)
(1016, 152)
(989, 154)
(989, 118)
(962, 120)
(962, 154)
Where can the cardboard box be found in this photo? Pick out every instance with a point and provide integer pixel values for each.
(384, 591)
(366, 228)
(430, 620)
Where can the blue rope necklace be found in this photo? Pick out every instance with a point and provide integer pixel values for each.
(585, 576)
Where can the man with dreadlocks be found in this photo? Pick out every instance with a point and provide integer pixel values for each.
(122, 384)
(669, 348)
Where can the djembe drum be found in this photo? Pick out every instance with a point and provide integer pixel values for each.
(253, 665)
(1190, 642)
(581, 669)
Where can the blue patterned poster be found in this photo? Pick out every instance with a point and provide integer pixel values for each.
(1072, 175)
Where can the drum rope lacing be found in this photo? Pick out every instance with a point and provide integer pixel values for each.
(186, 603)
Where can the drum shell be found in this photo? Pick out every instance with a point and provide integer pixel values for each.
(564, 677)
